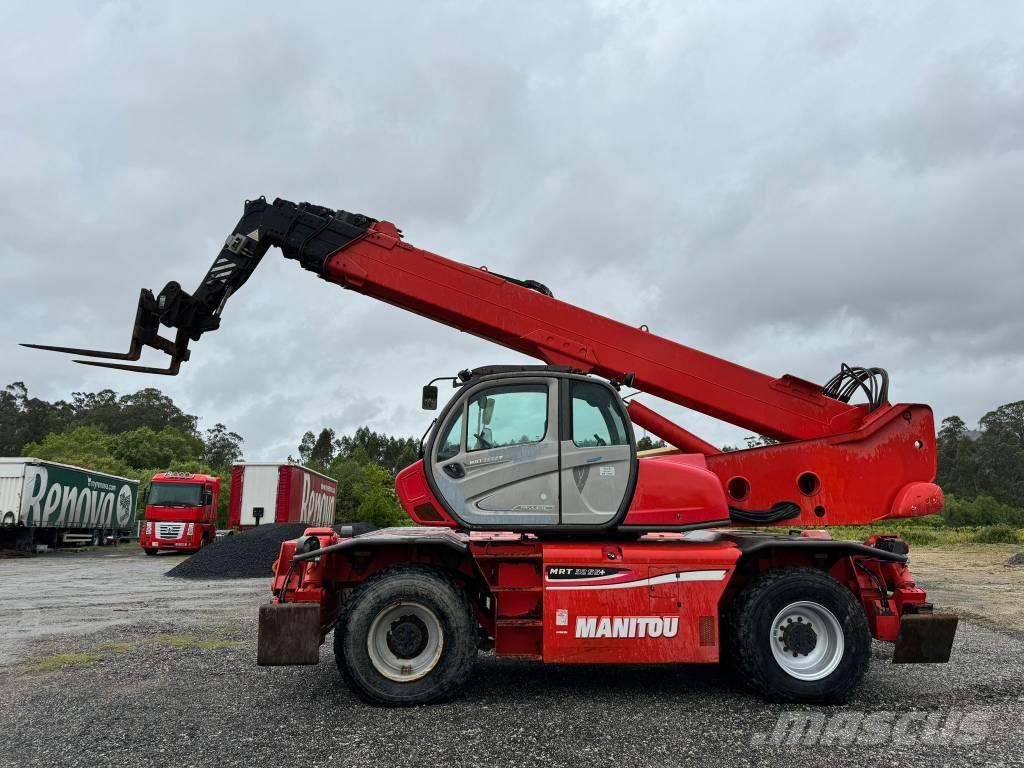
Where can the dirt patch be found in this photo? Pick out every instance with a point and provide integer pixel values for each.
(974, 581)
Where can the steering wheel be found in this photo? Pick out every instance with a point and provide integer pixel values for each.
(600, 440)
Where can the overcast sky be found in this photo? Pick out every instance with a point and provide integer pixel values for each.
(788, 186)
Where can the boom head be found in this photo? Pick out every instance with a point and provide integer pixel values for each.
(306, 232)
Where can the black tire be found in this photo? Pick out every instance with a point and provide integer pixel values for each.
(412, 584)
(150, 551)
(751, 634)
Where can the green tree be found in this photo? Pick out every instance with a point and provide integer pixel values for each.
(957, 459)
(83, 446)
(1000, 453)
(25, 419)
(647, 443)
(324, 448)
(146, 408)
(222, 447)
(366, 491)
(392, 453)
(141, 448)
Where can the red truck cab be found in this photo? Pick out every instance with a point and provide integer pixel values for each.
(181, 512)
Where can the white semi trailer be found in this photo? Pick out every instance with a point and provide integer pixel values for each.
(43, 502)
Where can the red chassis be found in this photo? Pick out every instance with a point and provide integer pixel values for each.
(662, 598)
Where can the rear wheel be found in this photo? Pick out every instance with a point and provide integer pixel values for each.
(406, 636)
(799, 635)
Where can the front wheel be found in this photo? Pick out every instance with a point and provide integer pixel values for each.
(406, 636)
(150, 551)
(798, 635)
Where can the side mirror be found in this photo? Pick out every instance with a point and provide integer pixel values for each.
(430, 398)
(488, 410)
(207, 498)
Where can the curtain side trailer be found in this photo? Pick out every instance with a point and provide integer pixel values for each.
(44, 502)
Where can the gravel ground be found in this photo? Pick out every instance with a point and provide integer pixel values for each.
(155, 691)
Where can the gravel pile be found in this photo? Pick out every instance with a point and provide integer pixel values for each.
(1017, 559)
(246, 555)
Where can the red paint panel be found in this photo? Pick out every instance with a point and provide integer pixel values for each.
(676, 490)
(859, 477)
(305, 497)
(285, 510)
(650, 611)
(418, 500)
(235, 505)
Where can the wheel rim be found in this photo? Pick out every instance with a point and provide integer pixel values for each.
(405, 641)
(806, 640)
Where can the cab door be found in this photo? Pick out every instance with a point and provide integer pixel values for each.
(495, 462)
(598, 454)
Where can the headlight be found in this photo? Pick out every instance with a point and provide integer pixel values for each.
(189, 530)
(149, 527)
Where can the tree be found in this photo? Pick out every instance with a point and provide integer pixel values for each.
(83, 446)
(142, 448)
(223, 448)
(306, 447)
(957, 459)
(1000, 453)
(25, 419)
(391, 453)
(324, 448)
(646, 443)
(146, 408)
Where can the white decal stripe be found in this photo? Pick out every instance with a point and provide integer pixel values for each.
(586, 578)
(665, 578)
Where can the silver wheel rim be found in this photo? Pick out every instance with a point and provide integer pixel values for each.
(417, 628)
(807, 640)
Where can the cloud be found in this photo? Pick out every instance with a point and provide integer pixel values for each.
(785, 186)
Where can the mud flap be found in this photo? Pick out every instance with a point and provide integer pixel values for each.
(925, 638)
(289, 634)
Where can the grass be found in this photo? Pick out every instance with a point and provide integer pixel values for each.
(932, 531)
(115, 647)
(102, 650)
(61, 660)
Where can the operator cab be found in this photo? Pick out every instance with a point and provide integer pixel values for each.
(532, 447)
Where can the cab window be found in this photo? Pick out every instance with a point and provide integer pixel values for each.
(503, 416)
(596, 419)
(452, 441)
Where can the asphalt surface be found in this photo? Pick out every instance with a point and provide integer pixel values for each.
(171, 680)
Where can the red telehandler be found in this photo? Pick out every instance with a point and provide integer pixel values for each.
(544, 535)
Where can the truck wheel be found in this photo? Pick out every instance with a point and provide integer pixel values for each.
(406, 636)
(798, 635)
(150, 551)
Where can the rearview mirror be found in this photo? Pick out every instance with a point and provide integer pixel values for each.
(430, 398)
(488, 410)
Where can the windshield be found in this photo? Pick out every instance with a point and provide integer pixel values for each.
(175, 495)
